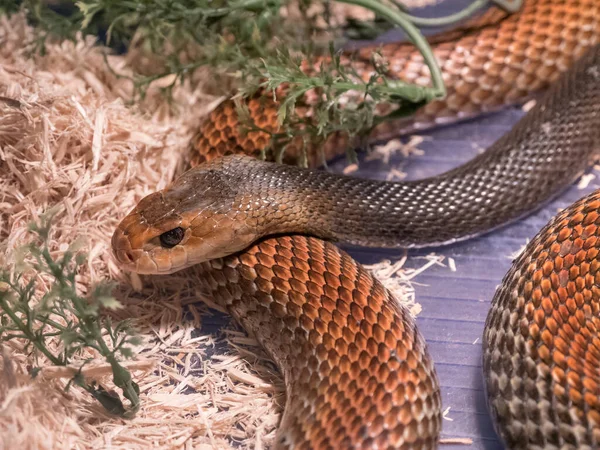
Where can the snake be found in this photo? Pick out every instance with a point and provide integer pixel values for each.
(493, 60)
(261, 238)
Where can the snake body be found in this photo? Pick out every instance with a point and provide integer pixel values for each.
(542, 337)
(356, 369)
(494, 60)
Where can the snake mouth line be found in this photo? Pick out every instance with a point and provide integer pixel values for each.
(128, 258)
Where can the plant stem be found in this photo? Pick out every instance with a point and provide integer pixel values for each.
(416, 37)
(448, 20)
(27, 332)
(510, 6)
(121, 377)
(247, 5)
(53, 324)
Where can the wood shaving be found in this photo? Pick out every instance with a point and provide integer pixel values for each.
(452, 264)
(350, 168)
(528, 106)
(445, 414)
(456, 441)
(585, 180)
(398, 279)
(386, 151)
(395, 174)
(517, 252)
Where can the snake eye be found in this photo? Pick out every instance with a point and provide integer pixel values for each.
(172, 237)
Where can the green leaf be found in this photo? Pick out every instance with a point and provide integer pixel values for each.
(135, 340)
(80, 259)
(69, 336)
(109, 302)
(126, 352)
(34, 317)
(109, 400)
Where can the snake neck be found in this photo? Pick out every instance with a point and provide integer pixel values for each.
(546, 151)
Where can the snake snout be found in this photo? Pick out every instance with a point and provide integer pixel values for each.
(121, 249)
(130, 256)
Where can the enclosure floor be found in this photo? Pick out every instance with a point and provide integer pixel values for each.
(455, 304)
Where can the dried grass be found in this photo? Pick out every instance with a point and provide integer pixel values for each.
(67, 138)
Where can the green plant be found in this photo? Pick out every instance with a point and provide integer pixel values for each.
(258, 47)
(36, 315)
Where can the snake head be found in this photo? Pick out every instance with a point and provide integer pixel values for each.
(191, 221)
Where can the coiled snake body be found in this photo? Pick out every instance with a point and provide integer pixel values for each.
(356, 369)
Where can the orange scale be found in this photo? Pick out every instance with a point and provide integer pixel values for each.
(590, 284)
(536, 276)
(540, 317)
(306, 323)
(555, 249)
(324, 368)
(560, 295)
(384, 319)
(529, 310)
(344, 298)
(573, 378)
(379, 394)
(591, 379)
(544, 354)
(547, 305)
(314, 289)
(584, 268)
(560, 392)
(582, 317)
(370, 345)
(321, 327)
(360, 341)
(533, 330)
(591, 216)
(576, 219)
(576, 397)
(575, 325)
(383, 352)
(394, 364)
(547, 267)
(327, 299)
(403, 413)
(591, 400)
(591, 255)
(332, 280)
(347, 283)
(570, 290)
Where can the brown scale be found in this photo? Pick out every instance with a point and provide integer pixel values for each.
(542, 337)
(357, 371)
(493, 61)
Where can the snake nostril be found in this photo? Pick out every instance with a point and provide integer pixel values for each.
(125, 256)
(128, 257)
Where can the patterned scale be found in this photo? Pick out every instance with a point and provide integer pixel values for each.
(350, 354)
(542, 337)
(495, 61)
